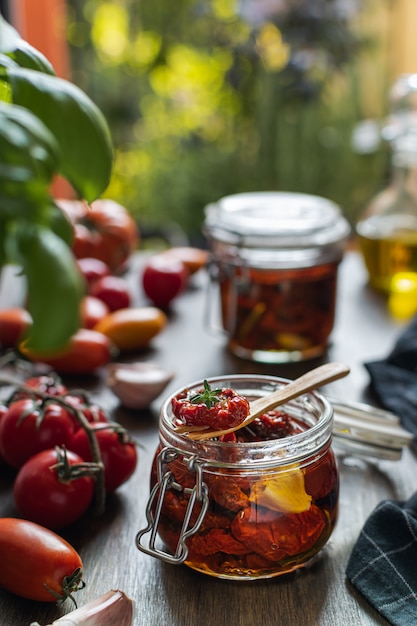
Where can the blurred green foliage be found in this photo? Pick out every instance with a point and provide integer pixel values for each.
(210, 97)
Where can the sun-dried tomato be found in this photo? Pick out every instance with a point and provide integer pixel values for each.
(217, 408)
(321, 481)
(216, 540)
(226, 492)
(276, 535)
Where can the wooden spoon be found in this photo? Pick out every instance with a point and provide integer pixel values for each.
(307, 382)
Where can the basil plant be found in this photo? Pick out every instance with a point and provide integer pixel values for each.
(48, 127)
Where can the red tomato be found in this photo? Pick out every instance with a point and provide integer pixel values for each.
(92, 269)
(92, 412)
(118, 453)
(13, 325)
(29, 427)
(36, 563)
(92, 311)
(49, 384)
(104, 230)
(3, 411)
(113, 291)
(86, 351)
(163, 279)
(47, 491)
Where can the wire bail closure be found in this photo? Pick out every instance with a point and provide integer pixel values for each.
(166, 481)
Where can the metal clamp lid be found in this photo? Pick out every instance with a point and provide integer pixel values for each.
(165, 482)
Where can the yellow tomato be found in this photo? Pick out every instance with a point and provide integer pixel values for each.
(132, 328)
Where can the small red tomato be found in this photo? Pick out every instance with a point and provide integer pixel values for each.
(86, 351)
(48, 491)
(92, 412)
(163, 279)
(36, 563)
(118, 453)
(3, 411)
(47, 383)
(92, 311)
(113, 291)
(92, 269)
(29, 427)
(13, 325)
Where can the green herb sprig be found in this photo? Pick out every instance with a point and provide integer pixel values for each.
(208, 396)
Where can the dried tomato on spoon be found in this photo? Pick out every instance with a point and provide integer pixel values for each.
(216, 408)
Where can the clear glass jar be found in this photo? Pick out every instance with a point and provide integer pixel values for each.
(274, 257)
(247, 510)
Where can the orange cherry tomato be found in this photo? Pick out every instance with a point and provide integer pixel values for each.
(14, 323)
(86, 351)
(36, 563)
(132, 328)
(193, 258)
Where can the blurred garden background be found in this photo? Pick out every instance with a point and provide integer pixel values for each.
(210, 97)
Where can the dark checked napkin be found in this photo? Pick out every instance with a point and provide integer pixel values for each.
(394, 379)
(383, 563)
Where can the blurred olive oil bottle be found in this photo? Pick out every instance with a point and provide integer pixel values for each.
(387, 230)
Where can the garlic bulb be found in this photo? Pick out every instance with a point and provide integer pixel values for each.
(113, 608)
(137, 384)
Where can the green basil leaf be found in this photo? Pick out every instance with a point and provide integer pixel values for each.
(25, 140)
(21, 51)
(55, 287)
(29, 159)
(78, 125)
(61, 224)
(9, 37)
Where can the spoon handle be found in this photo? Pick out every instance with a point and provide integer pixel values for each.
(317, 377)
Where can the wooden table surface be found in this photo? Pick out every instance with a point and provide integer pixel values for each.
(169, 595)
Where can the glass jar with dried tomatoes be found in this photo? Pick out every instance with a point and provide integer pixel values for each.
(259, 505)
(274, 258)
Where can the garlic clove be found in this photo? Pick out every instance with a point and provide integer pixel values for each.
(137, 384)
(113, 608)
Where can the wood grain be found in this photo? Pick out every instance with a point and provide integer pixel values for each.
(168, 595)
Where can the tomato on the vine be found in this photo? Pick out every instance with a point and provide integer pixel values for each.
(92, 412)
(163, 279)
(30, 426)
(46, 383)
(118, 452)
(36, 563)
(52, 489)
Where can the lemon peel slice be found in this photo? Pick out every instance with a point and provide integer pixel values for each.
(285, 492)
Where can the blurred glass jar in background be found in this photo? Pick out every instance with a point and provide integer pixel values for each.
(387, 230)
(274, 259)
